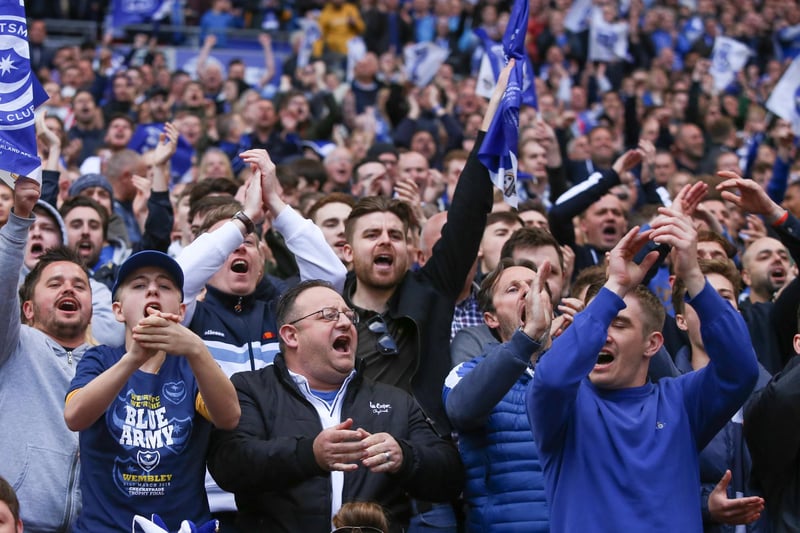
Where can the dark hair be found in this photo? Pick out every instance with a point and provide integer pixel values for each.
(85, 201)
(592, 276)
(531, 238)
(332, 198)
(216, 186)
(724, 268)
(9, 497)
(224, 211)
(508, 217)
(204, 205)
(456, 154)
(486, 292)
(313, 171)
(379, 204)
(713, 236)
(123, 116)
(53, 255)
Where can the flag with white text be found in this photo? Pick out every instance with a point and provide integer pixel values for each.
(20, 95)
(498, 152)
(728, 57)
(423, 61)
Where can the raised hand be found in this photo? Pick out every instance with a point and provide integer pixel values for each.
(26, 194)
(676, 229)
(538, 305)
(627, 161)
(689, 197)
(167, 145)
(269, 186)
(623, 273)
(736, 511)
(497, 95)
(752, 197)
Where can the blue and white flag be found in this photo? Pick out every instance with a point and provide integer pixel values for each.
(728, 57)
(20, 95)
(608, 41)
(492, 62)
(311, 34)
(125, 12)
(498, 152)
(423, 61)
(356, 50)
(785, 98)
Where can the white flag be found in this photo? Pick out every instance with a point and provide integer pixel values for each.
(608, 41)
(727, 59)
(785, 98)
(577, 18)
(356, 50)
(423, 61)
(491, 64)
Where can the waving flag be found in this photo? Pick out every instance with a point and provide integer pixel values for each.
(608, 41)
(498, 152)
(20, 94)
(423, 61)
(311, 34)
(785, 98)
(727, 59)
(494, 57)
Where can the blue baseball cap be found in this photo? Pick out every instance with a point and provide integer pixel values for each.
(148, 258)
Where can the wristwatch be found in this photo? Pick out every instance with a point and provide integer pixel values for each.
(249, 226)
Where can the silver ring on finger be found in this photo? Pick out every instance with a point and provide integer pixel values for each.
(388, 456)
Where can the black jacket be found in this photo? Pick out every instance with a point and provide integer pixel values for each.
(428, 296)
(268, 460)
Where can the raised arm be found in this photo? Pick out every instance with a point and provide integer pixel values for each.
(711, 395)
(551, 397)
(474, 388)
(13, 236)
(315, 259)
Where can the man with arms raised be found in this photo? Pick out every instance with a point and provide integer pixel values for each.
(37, 362)
(625, 448)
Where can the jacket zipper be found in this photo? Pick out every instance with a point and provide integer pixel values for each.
(70, 490)
(69, 357)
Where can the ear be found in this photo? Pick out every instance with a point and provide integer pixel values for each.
(347, 252)
(27, 310)
(654, 342)
(116, 307)
(182, 311)
(746, 277)
(680, 321)
(671, 279)
(796, 343)
(491, 320)
(288, 335)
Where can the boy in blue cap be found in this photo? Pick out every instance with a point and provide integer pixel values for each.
(145, 409)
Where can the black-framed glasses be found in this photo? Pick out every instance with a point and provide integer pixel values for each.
(331, 314)
(357, 529)
(386, 344)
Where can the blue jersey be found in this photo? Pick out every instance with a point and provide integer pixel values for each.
(146, 454)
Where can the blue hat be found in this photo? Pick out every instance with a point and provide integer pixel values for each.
(148, 258)
(90, 180)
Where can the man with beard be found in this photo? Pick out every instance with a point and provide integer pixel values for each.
(405, 316)
(87, 221)
(87, 133)
(37, 362)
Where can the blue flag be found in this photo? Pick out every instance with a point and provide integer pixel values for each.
(498, 152)
(20, 95)
(125, 12)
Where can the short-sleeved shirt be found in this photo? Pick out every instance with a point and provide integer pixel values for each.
(146, 454)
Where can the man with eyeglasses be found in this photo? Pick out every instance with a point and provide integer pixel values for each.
(315, 432)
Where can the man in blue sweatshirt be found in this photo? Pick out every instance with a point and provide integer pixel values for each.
(620, 453)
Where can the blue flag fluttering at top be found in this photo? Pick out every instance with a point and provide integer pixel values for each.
(20, 94)
(498, 153)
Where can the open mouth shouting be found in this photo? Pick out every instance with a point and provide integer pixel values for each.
(342, 344)
(777, 275)
(152, 305)
(604, 359)
(384, 261)
(240, 266)
(68, 304)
